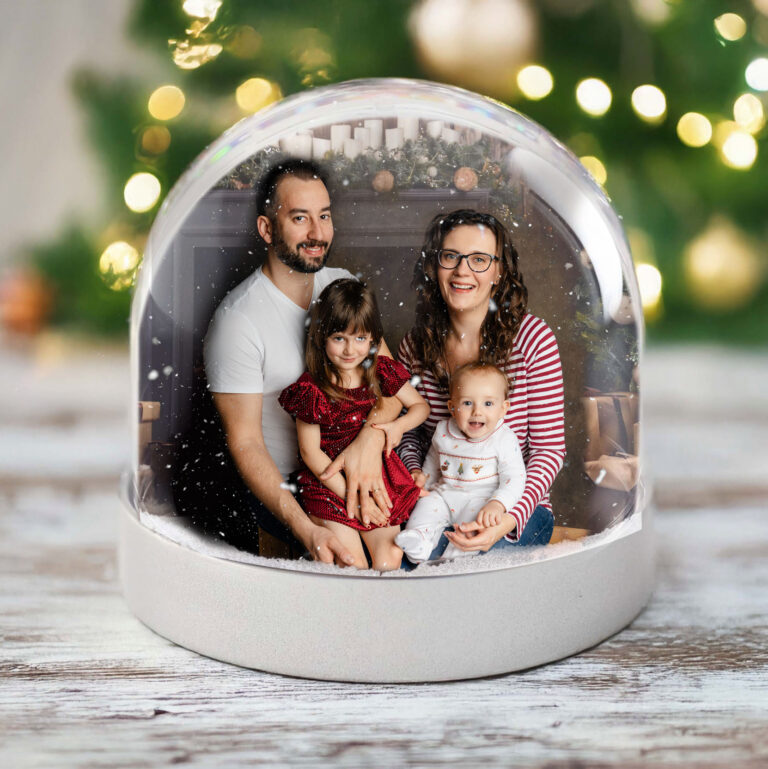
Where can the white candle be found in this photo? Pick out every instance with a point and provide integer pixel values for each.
(435, 128)
(338, 134)
(304, 145)
(393, 138)
(376, 127)
(351, 148)
(450, 136)
(320, 147)
(410, 126)
(363, 135)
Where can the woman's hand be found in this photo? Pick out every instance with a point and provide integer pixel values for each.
(367, 498)
(472, 537)
(393, 434)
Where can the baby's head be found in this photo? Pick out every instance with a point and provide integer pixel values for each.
(479, 398)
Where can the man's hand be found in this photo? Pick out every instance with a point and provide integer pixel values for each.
(367, 498)
(472, 537)
(323, 546)
(491, 514)
(420, 479)
(393, 434)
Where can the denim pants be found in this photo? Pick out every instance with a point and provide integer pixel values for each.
(538, 531)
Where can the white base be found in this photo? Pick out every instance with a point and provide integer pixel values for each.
(387, 630)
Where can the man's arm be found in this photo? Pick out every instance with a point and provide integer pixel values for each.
(241, 415)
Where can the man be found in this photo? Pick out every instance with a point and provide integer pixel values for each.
(255, 348)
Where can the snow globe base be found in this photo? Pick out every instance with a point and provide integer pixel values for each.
(390, 630)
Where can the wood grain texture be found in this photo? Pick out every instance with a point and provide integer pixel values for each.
(84, 684)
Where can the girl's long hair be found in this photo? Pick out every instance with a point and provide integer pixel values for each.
(344, 304)
(509, 302)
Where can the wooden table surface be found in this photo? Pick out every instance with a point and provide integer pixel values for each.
(84, 684)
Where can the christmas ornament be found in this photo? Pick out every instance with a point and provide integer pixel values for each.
(383, 181)
(465, 179)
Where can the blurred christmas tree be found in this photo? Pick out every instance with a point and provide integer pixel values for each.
(663, 101)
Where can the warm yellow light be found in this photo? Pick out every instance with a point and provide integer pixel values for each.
(255, 94)
(118, 264)
(722, 267)
(739, 150)
(649, 103)
(652, 11)
(141, 192)
(694, 129)
(748, 112)
(535, 82)
(730, 26)
(594, 96)
(186, 56)
(756, 74)
(245, 43)
(155, 139)
(595, 167)
(202, 9)
(649, 281)
(166, 102)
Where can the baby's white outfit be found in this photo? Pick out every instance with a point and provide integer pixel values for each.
(463, 474)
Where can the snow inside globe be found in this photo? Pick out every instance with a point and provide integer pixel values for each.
(504, 289)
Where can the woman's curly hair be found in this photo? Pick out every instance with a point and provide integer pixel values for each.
(509, 302)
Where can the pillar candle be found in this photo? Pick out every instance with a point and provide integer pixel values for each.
(320, 147)
(410, 126)
(394, 138)
(376, 127)
(363, 135)
(338, 134)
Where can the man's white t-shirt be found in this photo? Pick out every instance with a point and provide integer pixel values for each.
(255, 344)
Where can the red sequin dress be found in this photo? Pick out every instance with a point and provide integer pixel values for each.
(340, 422)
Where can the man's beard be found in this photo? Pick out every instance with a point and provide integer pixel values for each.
(295, 260)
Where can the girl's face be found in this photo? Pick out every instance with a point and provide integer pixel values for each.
(348, 349)
(463, 289)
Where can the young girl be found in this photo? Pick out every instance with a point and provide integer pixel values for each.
(345, 377)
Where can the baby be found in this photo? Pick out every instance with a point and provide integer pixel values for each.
(474, 469)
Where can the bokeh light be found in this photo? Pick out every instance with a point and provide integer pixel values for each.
(141, 192)
(117, 265)
(535, 82)
(650, 283)
(748, 113)
(722, 267)
(730, 26)
(186, 56)
(594, 96)
(649, 103)
(202, 9)
(245, 42)
(166, 102)
(595, 167)
(739, 150)
(694, 129)
(155, 139)
(255, 94)
(756, 74)
(652, 11)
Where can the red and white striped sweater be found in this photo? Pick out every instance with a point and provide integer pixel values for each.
(535, 412)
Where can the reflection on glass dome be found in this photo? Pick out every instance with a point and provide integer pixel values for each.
(397, 154)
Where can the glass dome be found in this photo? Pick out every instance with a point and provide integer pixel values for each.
(398, 152)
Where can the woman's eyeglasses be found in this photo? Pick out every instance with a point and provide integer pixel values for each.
(477, 261)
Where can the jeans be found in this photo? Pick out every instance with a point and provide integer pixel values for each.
(538, 531)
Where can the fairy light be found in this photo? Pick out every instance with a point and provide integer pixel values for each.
(739, 150)
(117, 265)
(756, 74)
(748, 113)
(535, 82)
(166, 102)
(141, 192)
(186, 56)
(255, 94)
(594, 96)
(155, 139)
(649, 282)
(730, 26)
(649, 103)
(694, 129)
(595, 167)
(202, 9)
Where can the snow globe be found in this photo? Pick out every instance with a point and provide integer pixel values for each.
(397, 152)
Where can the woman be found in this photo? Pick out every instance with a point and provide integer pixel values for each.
(472, 305)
